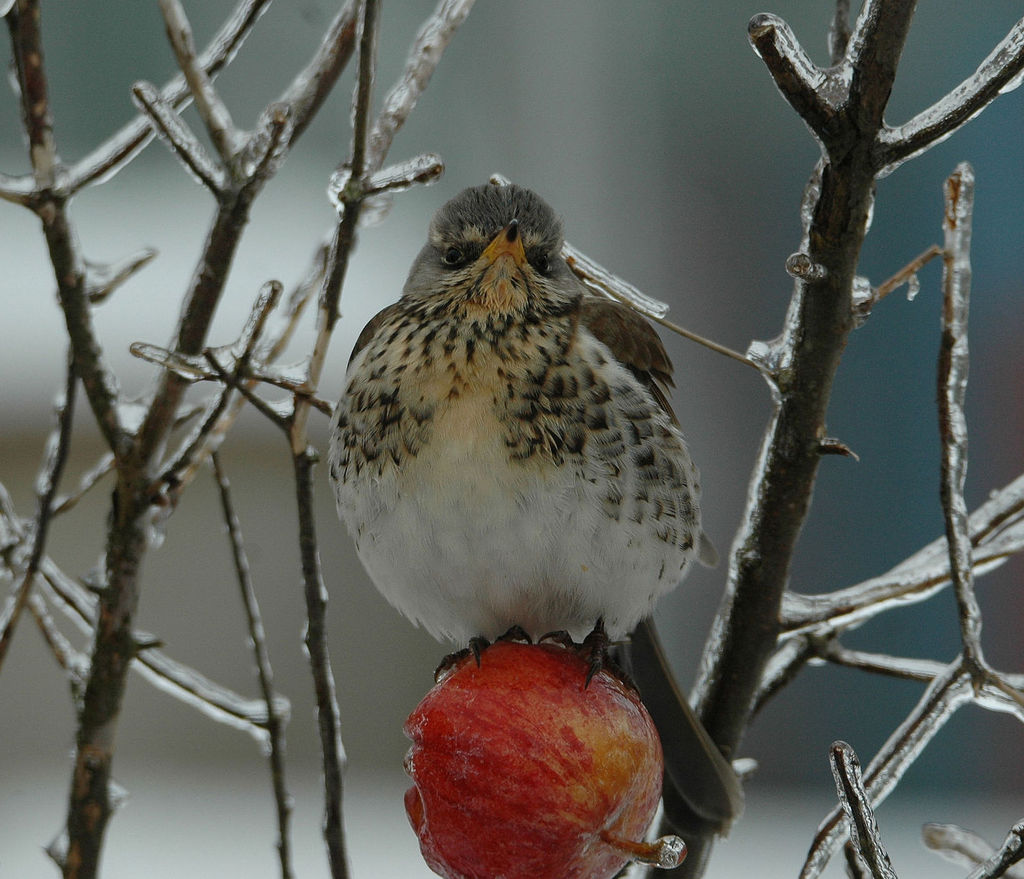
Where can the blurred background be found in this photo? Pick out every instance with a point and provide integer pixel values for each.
(656, 133)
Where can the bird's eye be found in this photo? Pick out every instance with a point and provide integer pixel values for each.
(541, 263)
(453, 257)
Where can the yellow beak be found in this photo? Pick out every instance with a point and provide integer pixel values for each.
(508, 242)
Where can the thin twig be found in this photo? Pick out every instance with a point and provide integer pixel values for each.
(424, 56)
(275, 721)
(185, 144)
(328, 720)
(969, 850)
(856, 803)
(994, 75)
(212, 109)
(118, 150)
(947, 692)
(1009, 853)
(46, 489)
(953, 361)
(905, 274)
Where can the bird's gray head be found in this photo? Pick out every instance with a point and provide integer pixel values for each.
(493, 246)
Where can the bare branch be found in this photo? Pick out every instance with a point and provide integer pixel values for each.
(112, 155)
(18, 190)
(942, 698)
(853, 798)
(997, 532)
(179, 137)
(275, 721)
(102, 279)
(212, 109)
(46, 489)
(999, 73)
(1011, 852)
(905, 274)
(970, 850)
(424, 56)
(811, 91)
(835, 215)
(311, 86)
(328, 717)
(953, 360)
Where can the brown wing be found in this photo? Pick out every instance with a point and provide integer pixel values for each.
(633, 341)
(370, 330)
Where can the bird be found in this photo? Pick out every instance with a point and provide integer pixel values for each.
(504, 453)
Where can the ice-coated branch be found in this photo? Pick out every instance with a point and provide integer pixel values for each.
(116, 152)
(820, 317)
(970, 850)
(179, 136)
(212, 109)
(49, 202)
(1010, 852)
(809, 89)
(308, 90)
(952, 382)
(996, 530)
(864, 833)
(327, 713)
(46, 489)
(998, 73)
(424, 56)
(275, 721)
(102, 279)
(18, 190)
(941, 699)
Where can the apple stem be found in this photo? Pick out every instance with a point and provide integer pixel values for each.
(666, 853)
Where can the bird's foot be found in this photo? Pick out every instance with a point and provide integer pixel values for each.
(596, 649)
(475, 649)
(517, 634)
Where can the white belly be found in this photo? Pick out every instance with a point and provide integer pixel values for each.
(466, 541)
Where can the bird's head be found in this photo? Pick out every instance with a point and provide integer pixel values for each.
(493, 248)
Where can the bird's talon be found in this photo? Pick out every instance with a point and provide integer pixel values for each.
(560, 637)
(477, 646)
(516, 633)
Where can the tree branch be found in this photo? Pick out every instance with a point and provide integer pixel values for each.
(275, 721)
(864, 833)
(820, 318)
(46, 489)
(953, 361)
(998, 73)
(116, 152)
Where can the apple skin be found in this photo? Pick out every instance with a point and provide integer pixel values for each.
(521, 771)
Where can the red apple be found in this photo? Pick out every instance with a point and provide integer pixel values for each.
(522, 771)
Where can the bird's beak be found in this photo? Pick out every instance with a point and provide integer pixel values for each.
(508, 242)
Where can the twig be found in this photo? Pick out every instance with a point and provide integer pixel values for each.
(179, 136)
(116, 152)
(905, 274)
(1010, 853)
(102, 279)
(46, 489)
(816, 327)
(68, 658)
(328, 720)
(853, 798)
(953, 361)
(424, 56)
(212, 110)
(970, 850)
(941, 699)
(275, 722)
(50, 205)
(996, 74)
(997, 532)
